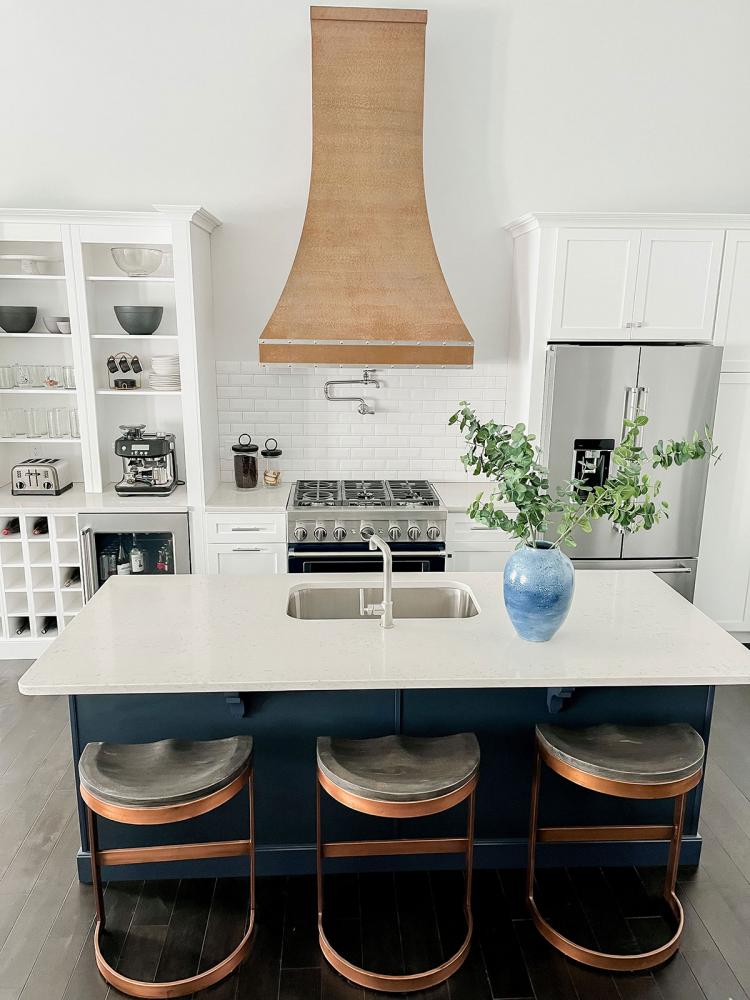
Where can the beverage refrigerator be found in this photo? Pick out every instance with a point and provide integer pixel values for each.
(589, 391)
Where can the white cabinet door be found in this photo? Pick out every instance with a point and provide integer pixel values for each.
(594, 287)
(246, 560)
(733, 310)
(724, 561)
(677, 284)
(468, 561)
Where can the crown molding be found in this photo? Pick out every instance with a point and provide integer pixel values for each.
(196, 214)
(626, 220)
(81, 217)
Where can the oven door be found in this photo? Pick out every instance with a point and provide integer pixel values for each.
(358, 558)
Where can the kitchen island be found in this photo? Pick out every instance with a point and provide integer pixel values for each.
(195, 657)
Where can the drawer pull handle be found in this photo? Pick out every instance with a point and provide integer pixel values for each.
(247, 529)
(243, 548)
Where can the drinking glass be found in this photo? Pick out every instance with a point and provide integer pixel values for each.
(53, 376)
(36, 424)
(18, 422)
(36, 373)
(58, 420)
(6, 425)
(7, 377)
(69, 377)
(75, 427)
(22, 376)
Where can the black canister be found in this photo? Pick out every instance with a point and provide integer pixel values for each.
(245, 463)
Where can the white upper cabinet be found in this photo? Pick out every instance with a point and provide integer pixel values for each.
(677, 284)
(595, 280)
(733, 312)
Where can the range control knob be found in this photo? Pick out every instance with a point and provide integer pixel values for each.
(367, 531)
(394, 532)
(414, 532)
(300, 533)
(433, 532)
(320, 533)
(339, 532)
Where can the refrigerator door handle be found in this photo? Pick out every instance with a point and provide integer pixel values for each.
(629, 407)
(669, 572)
(88, 567)
(641, 406)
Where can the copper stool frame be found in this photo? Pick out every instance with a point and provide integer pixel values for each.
(390, 848)
(153, 816)
(622, 789)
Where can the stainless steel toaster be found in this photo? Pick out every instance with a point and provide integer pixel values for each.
(41, 477)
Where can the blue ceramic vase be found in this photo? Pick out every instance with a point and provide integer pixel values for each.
(538, 590)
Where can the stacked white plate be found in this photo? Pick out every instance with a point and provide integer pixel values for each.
(165, 373)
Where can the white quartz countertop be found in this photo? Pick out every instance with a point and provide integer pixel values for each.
(226, 498)
(227, 633)
(77, 501)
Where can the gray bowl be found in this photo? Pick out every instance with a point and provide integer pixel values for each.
(17, 319)
(139, 320)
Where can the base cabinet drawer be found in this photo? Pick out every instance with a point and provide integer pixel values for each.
(463, 533)
(246, 528)
(246, 560)
(470, 561)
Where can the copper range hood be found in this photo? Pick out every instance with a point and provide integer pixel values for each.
(366, 287)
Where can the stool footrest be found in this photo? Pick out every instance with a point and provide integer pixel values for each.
(572, 834)
(385, 848)
(174, 852)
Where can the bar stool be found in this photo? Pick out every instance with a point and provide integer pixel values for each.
(147, 784)
(630, 762)
(398, 777)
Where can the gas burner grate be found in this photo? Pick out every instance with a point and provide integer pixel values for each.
(317, 493)
(364, 493)
(412, 493)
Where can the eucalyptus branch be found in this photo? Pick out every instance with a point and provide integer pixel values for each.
(522, 504)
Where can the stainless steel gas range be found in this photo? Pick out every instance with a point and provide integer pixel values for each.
(331, 522)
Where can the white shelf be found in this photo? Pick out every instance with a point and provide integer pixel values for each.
(138, 392)
(37, 336)
(39, 390)
(126, 277)
(28, 440)
(134, 336)
(32, 277)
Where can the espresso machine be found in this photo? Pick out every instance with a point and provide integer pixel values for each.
(149, 463)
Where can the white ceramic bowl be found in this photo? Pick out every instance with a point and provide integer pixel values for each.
(54, 324)
(137, 262)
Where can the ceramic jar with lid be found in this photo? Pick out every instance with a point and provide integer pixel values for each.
(271, 471)
(245, 463)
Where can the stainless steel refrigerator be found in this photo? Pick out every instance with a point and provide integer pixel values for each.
(589, 390)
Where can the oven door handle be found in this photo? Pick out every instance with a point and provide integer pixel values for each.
(296, 554)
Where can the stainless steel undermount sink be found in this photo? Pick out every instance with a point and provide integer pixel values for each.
(329, 603)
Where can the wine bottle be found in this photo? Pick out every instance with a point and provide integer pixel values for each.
(136, 558)
(73, 577)
(23, 626)
(40, 526)
(12, 527)
(123, 563)
(49, 622)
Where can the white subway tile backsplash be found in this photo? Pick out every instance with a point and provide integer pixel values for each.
(407, 436)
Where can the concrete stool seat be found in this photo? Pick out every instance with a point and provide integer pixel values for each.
(149, 784)
(400, 768)
(641, 754)
(164, 773)
(398, 777)
(630, 762)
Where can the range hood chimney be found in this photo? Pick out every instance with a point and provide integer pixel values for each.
(366, 287)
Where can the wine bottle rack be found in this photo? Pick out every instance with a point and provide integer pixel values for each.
(33, 573)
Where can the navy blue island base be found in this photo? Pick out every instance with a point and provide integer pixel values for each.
(285, 726)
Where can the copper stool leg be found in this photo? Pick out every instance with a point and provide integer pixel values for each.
(138, 855)
(587, 956)
(440, 845)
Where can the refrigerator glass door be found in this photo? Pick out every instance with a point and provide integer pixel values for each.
(587, 390)
(677, 389)
(162, 540)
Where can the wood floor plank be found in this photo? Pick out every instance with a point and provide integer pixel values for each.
(549, 971)
(418, 928)
(300, 948)
(300, 984)
(227, 922)
(144, 942)
(260, 974)
(723, 926)
(186, 931)
(675, 979)
(25, 865)
(702, 954)
(381, 941)
(471, 982)
(494, 909)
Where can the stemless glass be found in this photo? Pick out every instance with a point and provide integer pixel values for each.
(22, 376)
(18, 422)
(75, 427)
(36, 424)
(36, 374)
(53, 376)
(58, 420)
(6, 426)
(69, 376)
(7, 377)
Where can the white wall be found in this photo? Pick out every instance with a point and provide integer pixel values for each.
(530, 105)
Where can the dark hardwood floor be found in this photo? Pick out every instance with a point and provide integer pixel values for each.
(169, 929)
